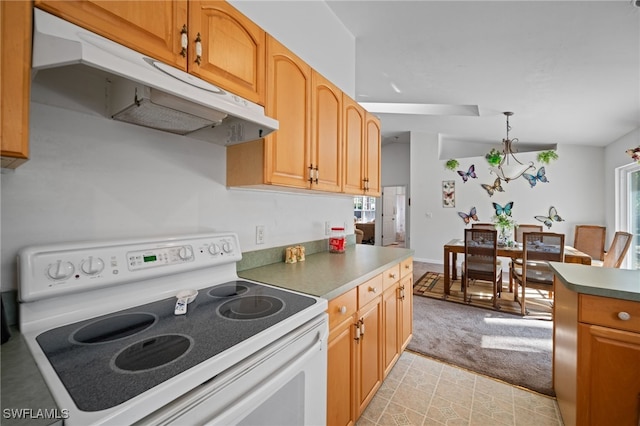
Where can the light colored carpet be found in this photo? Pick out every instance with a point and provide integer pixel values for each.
(431, 284)
(497, 344)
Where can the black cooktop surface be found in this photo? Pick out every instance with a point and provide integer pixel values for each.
(107, 360)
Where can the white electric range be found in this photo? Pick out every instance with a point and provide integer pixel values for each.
(116, 346)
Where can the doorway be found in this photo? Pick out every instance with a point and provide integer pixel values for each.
(394, 201)
(628, 211)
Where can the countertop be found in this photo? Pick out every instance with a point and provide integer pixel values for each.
(23, 388)
(328, 275)
(607, 282)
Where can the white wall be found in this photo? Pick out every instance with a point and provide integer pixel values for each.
(311, 30)
(90, 178)
(576, 188)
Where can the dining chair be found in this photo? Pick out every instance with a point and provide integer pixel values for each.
(590, 239)
(520, 229)
(538, 249)
(488, 226)
(619, 246)
(481, 261)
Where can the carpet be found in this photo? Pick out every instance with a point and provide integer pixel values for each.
(431, 284)
(494, 343)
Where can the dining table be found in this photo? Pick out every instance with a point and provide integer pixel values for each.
(515, 251)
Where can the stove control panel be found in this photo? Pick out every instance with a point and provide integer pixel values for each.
(54, 270)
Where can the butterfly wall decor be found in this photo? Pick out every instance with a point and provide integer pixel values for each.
(492, 188)
(468, 217)
(540, 176)
(471, 173)
(506, 210)
(548, 220)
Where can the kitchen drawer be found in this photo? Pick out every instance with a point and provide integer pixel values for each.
(406, 267)
(390, 276)
(342, 307)
(604, 311)
(369, 290)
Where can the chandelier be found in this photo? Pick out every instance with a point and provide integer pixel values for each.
(510, 167)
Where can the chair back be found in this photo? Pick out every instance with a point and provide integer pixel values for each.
(480, 253)
(618, 250)
(543, 246)
(521, 229)
(488, 226)
(590, 239)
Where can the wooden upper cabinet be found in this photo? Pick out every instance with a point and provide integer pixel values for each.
(15, 83)
(372, 156)
(287, 153)
(233, 49)
(149, 27)
(326, 135)
(353, 136)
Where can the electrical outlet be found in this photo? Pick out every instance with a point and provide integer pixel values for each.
(327, 228)
(259, 234)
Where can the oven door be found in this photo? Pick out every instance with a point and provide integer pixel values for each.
(283, 384)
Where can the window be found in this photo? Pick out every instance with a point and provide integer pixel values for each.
(364, 209)
(628, 214)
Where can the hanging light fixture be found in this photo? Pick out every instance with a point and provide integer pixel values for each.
(510, 168)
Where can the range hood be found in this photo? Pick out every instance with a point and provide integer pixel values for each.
(147, 92)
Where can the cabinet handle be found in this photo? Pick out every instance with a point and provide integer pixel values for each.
(198, 49)
(392, 275)
(317, 174)
(373, 290)
(184, 41)
(407, 266)
(624, 316)
(343, 310)
(361, 327)
(357, 326)
(310, 173)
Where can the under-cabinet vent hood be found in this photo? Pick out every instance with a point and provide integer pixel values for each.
(148, 92)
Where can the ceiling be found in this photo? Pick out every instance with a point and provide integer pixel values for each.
(569, 70)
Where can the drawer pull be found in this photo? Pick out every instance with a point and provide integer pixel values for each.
(343, 309)
(407, 266)
(624, 316)
(373, 290)
(392, 275)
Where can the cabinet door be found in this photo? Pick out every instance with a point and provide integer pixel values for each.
(287, 153)
(353, 125)
(341, 369)
(372, 156)
(369, 353)
(608, 376)
(406, 311)
(391, 327)
(326, 134)
(149, 27)
(233, 49)
(15, 75)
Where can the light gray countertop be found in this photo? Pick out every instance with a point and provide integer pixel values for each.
(328, 275)
(23, 387)
(607, 282)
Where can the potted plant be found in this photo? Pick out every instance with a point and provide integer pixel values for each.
(452, 164)
(505, 226)
(546, 157)
(493, 157)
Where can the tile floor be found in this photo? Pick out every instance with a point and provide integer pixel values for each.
(423, 391)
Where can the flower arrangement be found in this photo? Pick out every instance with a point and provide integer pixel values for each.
(452, 164)
(505, 225)
(493, 157)
(546, 157)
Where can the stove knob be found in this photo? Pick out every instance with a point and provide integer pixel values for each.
(92, 265)
(60, 270)
(227, 247)
(214, 249)
(185, 253)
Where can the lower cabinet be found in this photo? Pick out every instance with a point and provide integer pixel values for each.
(596, 358)
(369, 326)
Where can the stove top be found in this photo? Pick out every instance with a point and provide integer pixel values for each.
(126, 353)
